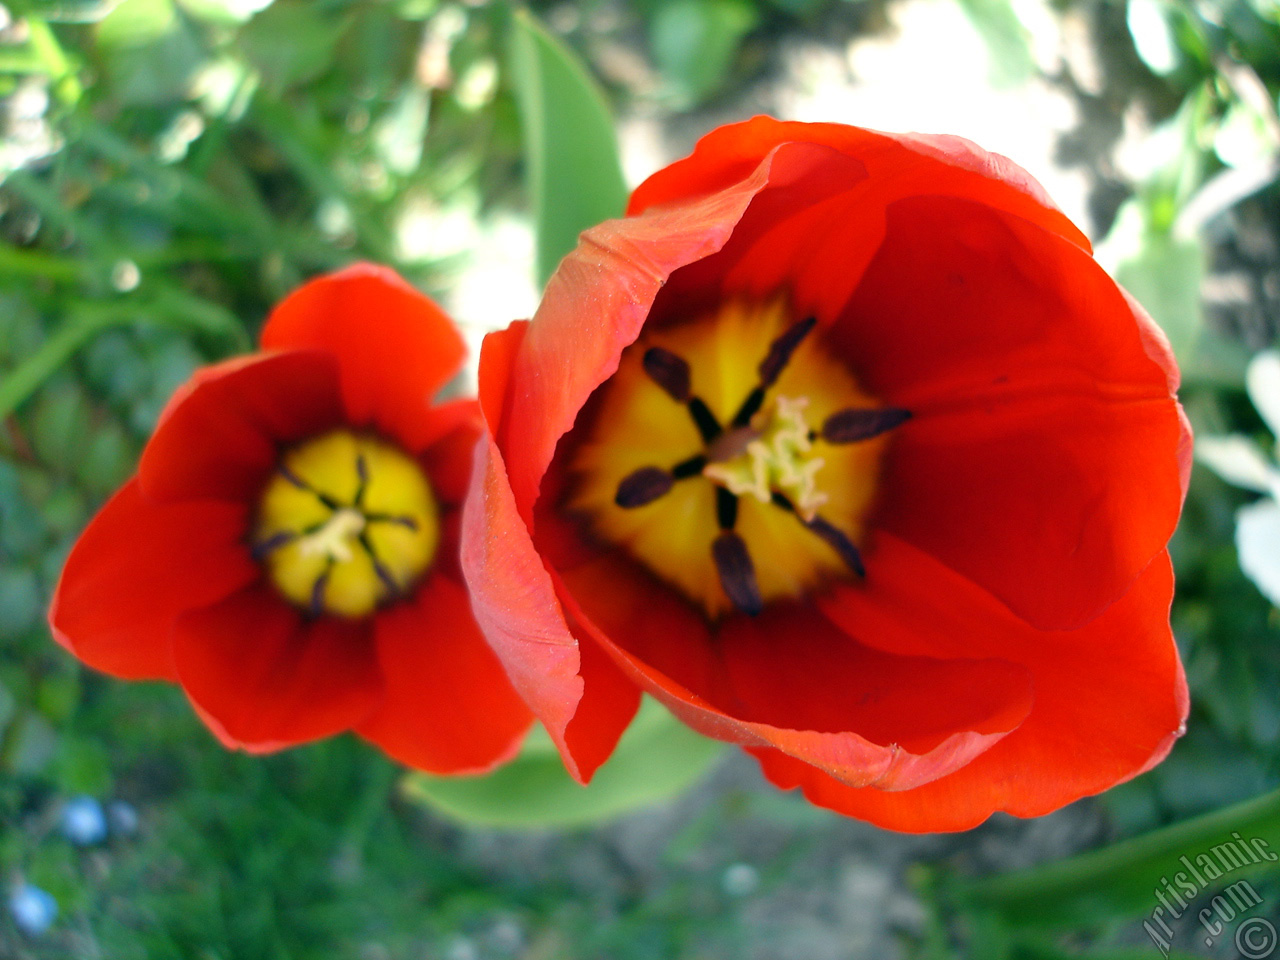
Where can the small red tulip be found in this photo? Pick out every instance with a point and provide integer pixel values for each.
(287, 549)
(843, 447)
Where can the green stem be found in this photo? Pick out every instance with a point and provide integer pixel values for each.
(1123, 879)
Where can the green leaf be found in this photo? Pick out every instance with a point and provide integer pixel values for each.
(19, 600)
(82, 765)
(312, 36)
(1007, 41)
(1119, 880)
(657, 758)
(695, 43)
(571, 153)
(149, 51)
(1161, 268)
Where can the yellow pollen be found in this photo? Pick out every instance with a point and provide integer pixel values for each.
(347, 523)
(652, 474)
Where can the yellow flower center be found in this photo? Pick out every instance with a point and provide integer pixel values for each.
(348, 522)
(758, 488)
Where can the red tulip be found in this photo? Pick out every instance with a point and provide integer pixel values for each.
(287, 549)
(843, 447)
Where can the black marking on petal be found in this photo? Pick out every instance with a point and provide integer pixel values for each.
(643, 486)
(840, 542)
(669, 371)
(689, 468)
(273, 542)
(860, 423)
(750, 407)
(781, 349)
(726, 508)
(737, 573)
(706, 422)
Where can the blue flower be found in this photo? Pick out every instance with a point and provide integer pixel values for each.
(33, 909)
(83, 821)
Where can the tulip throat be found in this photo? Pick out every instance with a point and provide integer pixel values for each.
(347, 523)
(758, 489)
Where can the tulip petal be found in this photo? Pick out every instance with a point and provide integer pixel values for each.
(220, 433)
(264, 677)
(447, 460)
(1110, 698)
(514, 601)
(448, 706)
(901, 164)
(593, 307)
(789, 680)
(135, 569)
(1046, 458)
(394, 346)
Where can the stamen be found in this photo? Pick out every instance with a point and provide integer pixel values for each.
(726, 508)
(708, 426)
(750, 407)
(838, 541)
(643, 486)
(858, 423)
(301, 484)
(388, 581)
(833, 535)
(362, 475)
(669, 371)
(781, 349)
(273, 542)
(407, 522)
(689, 468)
(364, 543)
(317, 593)
(737, 573)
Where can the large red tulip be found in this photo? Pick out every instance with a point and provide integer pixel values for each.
(287, 550)
(843, 447)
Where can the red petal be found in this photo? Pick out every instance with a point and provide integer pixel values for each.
(448, 458)
(220, 433)
(1110, 698)
(266, 678)
(789, 680)
(497, 357)
(609, 703)
(903, 163)
(514, 602)
(449, 707)
(594, 306)
(135, 569)
(395, 347)
(1043, 457)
